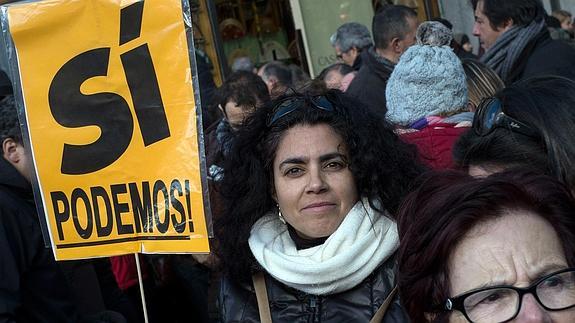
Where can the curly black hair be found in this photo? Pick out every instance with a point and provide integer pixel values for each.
(382, 165)
(9, 124)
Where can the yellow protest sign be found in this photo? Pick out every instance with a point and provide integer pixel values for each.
(110, 111)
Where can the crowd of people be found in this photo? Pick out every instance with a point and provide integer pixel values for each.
(412, 181)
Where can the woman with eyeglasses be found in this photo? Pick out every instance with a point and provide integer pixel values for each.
(528, 124)
(486, 250)
(311, 187)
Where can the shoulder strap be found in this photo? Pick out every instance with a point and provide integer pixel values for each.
(378, 317)
(262, 297)
(264, 306)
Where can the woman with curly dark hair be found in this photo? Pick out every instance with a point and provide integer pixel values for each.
(311, 186)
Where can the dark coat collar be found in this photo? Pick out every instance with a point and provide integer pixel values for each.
(11, 179)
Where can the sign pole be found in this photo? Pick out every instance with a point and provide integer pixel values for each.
(140, 281)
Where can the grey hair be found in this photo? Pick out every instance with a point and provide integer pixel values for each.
(433, 33)
(350, 35)
(279, 70)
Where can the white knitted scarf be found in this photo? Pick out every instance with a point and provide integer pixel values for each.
(363, 241)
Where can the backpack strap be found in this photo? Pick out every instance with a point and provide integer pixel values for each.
(378, 317)
(262, 297)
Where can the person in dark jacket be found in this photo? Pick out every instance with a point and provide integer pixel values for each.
(349, 41)
(555, 30)
(32, 286)
(517, 43)
(393, 33)
(35, 287)
(237, 98)
(310, 187)
(565, 20)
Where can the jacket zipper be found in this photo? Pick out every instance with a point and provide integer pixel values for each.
(313, 300)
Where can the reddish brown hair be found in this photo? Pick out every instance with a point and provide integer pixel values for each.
(446, 206)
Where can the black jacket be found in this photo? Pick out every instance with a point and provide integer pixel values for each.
(369, 84)
(215, 160)
(357, 62)
(238, 303)
(544, 56)
(32, 287)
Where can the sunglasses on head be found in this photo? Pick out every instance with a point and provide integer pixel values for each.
(489, 116)
(289, 105)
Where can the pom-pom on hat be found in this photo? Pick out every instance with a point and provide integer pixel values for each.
(429, 78)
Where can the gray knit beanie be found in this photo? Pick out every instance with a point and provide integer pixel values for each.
(429, 78)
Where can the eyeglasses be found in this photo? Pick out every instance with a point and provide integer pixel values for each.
(489, 115)
(289, 105)
(555, 292)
